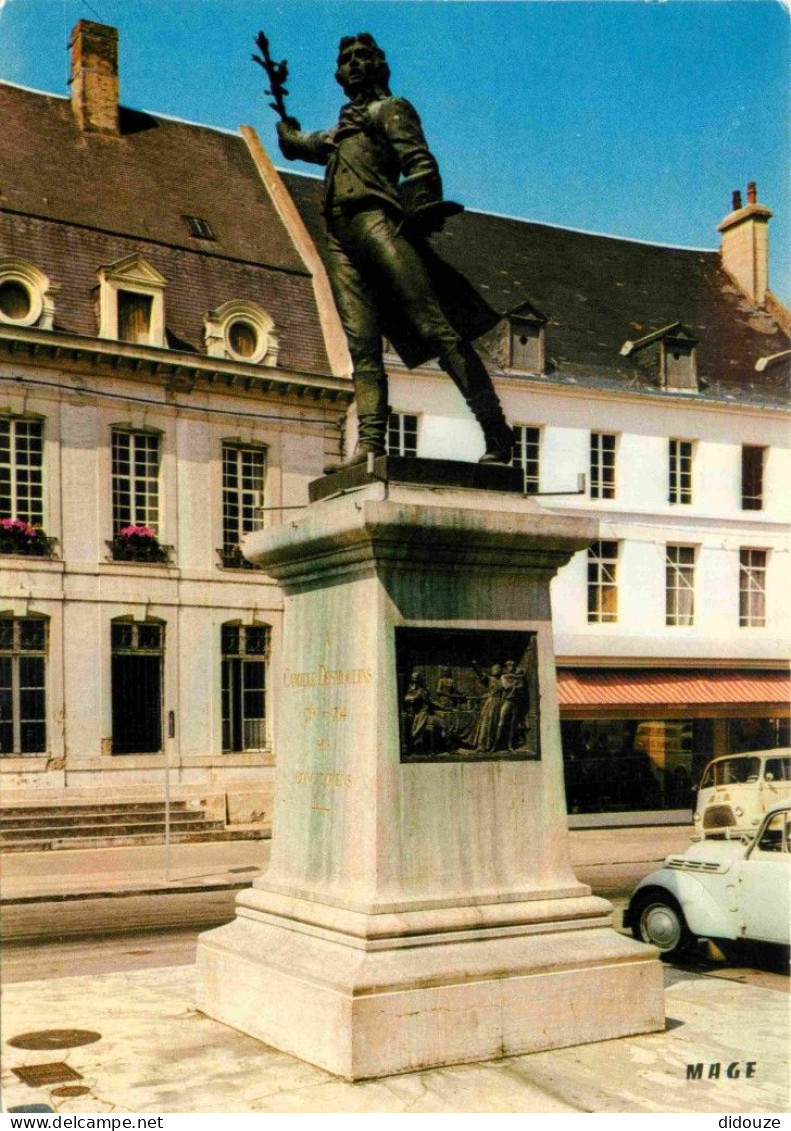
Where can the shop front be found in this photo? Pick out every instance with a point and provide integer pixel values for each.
(637, 740)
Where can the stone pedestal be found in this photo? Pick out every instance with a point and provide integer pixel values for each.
(419, 908)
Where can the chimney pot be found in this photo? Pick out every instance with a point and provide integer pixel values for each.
(752, 193)
(94, 76)
(736, 200)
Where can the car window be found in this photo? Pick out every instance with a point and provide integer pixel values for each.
(736, 771)
(779, 768)
(772, 839)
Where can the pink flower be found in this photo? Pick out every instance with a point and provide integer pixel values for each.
(137, 532)
(17, 524)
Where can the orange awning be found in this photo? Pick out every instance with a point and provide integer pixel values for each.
(673, 689)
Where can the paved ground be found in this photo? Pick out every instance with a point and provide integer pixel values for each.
(156, 1053)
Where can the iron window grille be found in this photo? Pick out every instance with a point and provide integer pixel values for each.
(680, 585)
(23, 693)
(752, 588)
(602, 465)
(527, 440)
(680, 471)
(245, 654)
(603, 582)
(402, 428)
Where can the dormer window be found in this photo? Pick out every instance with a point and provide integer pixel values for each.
(668, 357)
(241, 331)
(199, 228)
(26, 295)
(525, 345)
(132, 302)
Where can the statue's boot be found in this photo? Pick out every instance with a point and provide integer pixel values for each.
(372, 429)
(471, 377)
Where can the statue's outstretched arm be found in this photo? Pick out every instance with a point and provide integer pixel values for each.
(299, 146)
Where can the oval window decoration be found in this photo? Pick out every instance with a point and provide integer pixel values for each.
(15, 301)
(241, 331)
(25, 295)
(243, 338)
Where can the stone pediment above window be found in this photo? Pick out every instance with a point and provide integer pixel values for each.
(668, 357)
(26, 295)
(241, 331)
(132, 302)
(517, 342)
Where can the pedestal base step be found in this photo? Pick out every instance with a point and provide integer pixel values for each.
(361, 1013)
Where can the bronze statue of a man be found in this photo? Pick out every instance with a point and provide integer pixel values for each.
(386, 279)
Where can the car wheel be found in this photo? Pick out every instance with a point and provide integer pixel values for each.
(657, 919)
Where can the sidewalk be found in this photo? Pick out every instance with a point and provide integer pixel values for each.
(154, 1052)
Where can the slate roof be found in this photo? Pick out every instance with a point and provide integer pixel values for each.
(601, 291)
(73, 201)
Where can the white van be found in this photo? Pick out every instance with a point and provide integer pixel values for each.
(736, 790)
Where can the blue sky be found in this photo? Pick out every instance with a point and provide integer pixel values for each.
(633, 118)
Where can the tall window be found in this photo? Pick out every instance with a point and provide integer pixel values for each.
(752, 478)
(752, 588)
(402, 434)
(135, 480)
(602, 582)
(23, 708)
(138, 650)
(680, 471)
(243, 472)
(602, 466)
(245, 651)
(527, 441)
(680, 585)
(22, 470)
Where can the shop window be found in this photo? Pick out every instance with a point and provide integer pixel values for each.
(680, 585)
(752, 588)
(138, 649)
(245, 653)
(402, 430)
(23, 698)
(243, 476)
(602, 582)
(680, 471)
(22, 470)
(527, 446)
(602, 465)
(135, 480)
(752, 478)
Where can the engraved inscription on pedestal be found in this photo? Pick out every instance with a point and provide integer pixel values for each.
(467, 695)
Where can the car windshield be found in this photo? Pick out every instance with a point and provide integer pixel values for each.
(731, 771)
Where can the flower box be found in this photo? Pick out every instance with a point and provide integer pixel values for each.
(233, 558)
(138, 544)
(20, 537)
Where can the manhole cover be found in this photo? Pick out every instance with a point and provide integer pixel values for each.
(54, 1073)
(71, 1090)
(44, 1039)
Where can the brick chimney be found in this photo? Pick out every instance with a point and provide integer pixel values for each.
(745, 245)
(94, 76)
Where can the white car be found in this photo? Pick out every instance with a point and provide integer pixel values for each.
(737, 789)
(720, 890)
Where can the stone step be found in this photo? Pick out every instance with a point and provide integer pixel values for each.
(89, 807)
(121, 828)
(192, 837)
(8, 823)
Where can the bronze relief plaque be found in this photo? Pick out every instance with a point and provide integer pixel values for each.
(467, 695)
